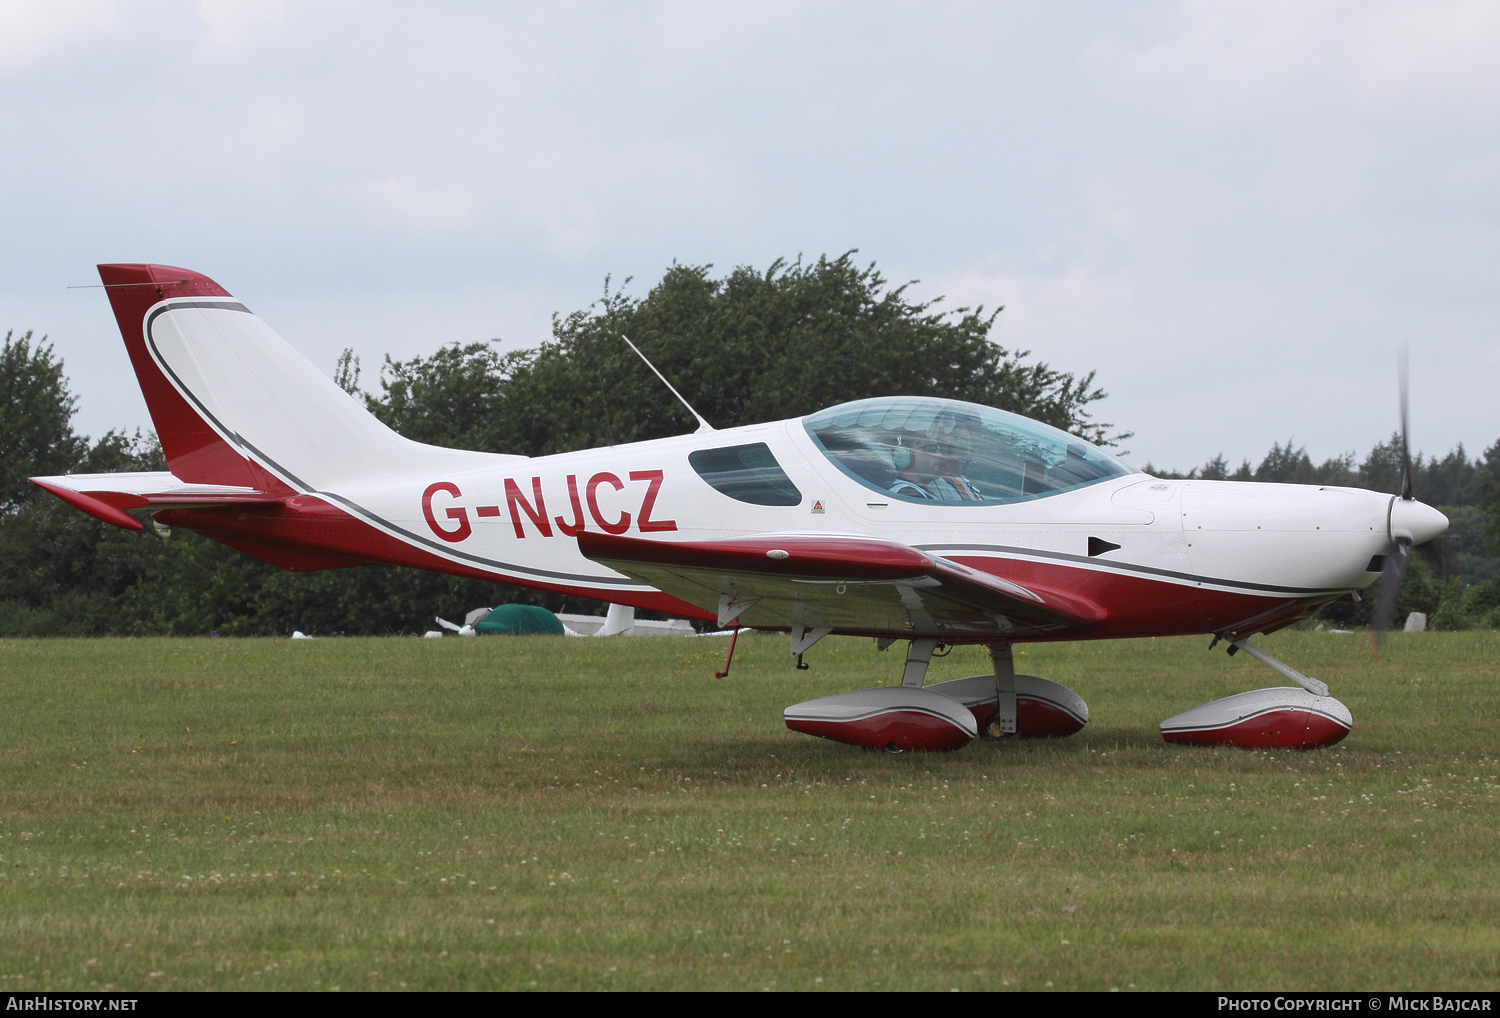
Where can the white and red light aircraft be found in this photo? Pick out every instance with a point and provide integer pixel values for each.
(904, 519)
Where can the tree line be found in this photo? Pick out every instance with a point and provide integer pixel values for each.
(749, 346)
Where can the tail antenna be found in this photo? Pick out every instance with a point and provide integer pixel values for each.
(702, 424)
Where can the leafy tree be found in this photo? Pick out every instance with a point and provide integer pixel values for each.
(63, 572)
(759, 346)
(460, 397)
(346, 372)
(1450, 481)
(1215, 469)
(1453, 480)
(1285, 465)
(36, 413)
(1381, 469)
(1487, 495)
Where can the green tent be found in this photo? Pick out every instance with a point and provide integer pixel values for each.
(520, 620)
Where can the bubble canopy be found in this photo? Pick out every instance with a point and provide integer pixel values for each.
(941, 450)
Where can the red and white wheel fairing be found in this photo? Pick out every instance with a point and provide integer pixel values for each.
(1044, 709)
(895, 718)
(1281, 717)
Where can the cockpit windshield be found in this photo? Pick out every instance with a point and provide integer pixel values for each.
(941, 450)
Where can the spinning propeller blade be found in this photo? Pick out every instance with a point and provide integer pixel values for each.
(1385, 597)
(1399, 551)
(1405, 446)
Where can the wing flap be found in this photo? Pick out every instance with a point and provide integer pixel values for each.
(846, 583)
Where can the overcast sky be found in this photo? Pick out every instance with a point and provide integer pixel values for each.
(1235, 213)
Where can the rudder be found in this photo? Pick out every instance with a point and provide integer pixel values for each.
(194, 451)
(232, 402)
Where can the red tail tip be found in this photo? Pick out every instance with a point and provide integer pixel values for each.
(165, 280)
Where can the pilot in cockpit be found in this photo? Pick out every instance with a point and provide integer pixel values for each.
(931, 464)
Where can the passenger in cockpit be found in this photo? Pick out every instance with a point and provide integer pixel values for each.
(931, 465)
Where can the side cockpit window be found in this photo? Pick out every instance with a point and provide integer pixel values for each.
(746, 473)
(945, 451)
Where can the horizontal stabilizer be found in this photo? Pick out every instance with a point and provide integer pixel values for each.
(108, 496)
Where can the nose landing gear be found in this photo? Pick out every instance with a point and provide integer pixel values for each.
(1281, 717)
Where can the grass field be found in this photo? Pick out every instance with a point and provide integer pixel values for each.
(549, 813)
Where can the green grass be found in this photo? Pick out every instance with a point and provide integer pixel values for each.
(515, 813)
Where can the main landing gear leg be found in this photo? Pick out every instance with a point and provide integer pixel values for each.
(918, 657)
(1004, 721)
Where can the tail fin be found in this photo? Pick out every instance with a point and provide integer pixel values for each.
(232, 402)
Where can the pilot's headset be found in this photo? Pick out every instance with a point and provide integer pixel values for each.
(900, 456)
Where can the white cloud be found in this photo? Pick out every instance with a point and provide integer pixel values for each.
(1218, 63)
(240, 22)
(393, 201)
(31, 32)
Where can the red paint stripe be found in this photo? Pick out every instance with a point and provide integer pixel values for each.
(309, 524)
(1146, 606)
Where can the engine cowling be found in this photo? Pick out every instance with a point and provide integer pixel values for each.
(893, 718)
(1282, 717)
(1044, 709)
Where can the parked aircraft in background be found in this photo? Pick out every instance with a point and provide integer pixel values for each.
(925, 521)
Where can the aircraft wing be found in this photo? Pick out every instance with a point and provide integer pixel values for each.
(107, 496)
(847, 584)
